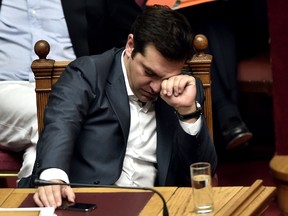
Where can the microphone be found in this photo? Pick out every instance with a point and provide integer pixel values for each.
(39, 182)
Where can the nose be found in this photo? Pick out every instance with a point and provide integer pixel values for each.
(155, 85)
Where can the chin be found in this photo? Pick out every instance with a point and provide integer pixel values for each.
(147, 99)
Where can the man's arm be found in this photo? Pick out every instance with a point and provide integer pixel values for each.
(190, 148)
(65, 112)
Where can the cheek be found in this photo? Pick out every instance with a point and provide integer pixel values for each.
(139, 77)
(140, 82)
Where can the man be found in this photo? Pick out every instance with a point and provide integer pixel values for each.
(115, 118)
(73, 28)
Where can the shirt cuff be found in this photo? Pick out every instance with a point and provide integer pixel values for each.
(54, 173)
(192, 128)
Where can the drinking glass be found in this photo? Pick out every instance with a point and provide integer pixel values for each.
(202, 187)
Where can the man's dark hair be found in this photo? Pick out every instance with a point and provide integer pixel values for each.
(166, 29)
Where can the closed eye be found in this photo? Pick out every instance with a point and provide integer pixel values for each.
(149, 72)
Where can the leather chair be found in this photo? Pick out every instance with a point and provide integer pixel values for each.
(10, 163)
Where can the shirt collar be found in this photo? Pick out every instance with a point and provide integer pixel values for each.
(129, 90)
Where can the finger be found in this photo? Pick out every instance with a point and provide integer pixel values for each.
(50, 192)
(43, 193)
(183, 82)
(37, 200)
(57, 194)
(178, 85)
(168, 86)
(163, 87)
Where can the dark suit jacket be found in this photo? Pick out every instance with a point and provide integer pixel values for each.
(87, 122)
(98, 25)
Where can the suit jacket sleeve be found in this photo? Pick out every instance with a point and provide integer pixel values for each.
(198, 148)
(184, 148)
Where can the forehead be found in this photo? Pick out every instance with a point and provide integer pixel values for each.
(154, 61)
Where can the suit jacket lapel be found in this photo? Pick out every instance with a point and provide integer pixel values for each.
(117, 95)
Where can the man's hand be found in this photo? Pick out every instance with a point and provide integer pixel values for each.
(51, 196)
(180, 92)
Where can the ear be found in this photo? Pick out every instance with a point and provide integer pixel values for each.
(129, 45)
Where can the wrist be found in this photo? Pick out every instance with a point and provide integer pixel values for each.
(190, 115)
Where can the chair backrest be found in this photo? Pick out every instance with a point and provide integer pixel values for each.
(48, 71)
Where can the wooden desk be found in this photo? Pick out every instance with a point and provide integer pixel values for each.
(179, 200)
(4, 194)
(225, 200)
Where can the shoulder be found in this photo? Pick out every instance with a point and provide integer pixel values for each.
(103, 59)
(95, 68)
(94, 64)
